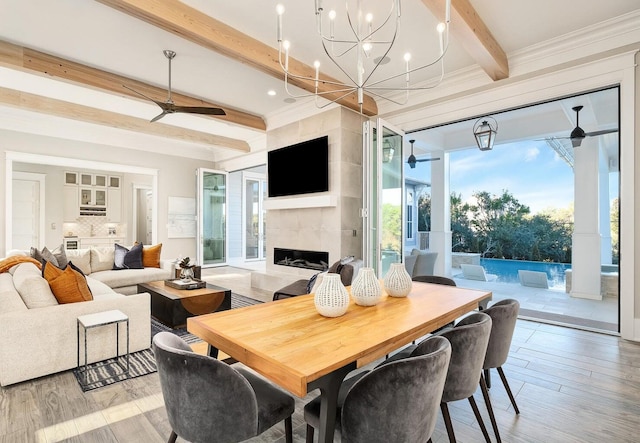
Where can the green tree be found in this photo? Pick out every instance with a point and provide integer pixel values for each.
(462, 237)
(615, 230)
(494, 220)
(391, 227)
(424, 212)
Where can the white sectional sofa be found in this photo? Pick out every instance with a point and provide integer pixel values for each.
(98, 263)
(42, 339)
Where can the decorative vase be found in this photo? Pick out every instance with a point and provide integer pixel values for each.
(365, 289)
(397, 282)
(331, 297)
(186, 274)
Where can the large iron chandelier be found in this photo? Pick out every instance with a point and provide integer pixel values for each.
(367, 39)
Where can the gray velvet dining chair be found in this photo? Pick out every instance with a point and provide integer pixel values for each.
(397, 401)
(503, 315)
(469, 339)
(208, 401)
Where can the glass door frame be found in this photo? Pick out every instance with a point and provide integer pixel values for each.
(200, 217)
(262, 189)
(373, 170)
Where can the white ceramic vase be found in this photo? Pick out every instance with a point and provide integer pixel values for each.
(365, 288)
(331, 297)
(397, 282)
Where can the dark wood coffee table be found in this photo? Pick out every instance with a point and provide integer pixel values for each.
(173, 306)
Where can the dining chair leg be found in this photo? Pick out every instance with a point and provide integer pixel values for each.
(476, 412)
(447, 422)
(310, 431)
(487, 378)
(487, 401)
(288, 430)
(506, 386)
(172, 437)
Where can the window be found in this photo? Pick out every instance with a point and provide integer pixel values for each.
(409, 215)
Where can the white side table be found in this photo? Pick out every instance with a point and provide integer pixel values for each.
(98, 319)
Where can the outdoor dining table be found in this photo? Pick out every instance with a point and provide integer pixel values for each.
(290, 343)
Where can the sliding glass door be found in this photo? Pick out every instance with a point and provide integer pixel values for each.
(212, 217)
(383, 200)
(254, 217)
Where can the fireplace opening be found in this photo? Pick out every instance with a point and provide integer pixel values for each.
(297, 258)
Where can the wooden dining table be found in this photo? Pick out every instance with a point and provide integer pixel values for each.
(290, 343)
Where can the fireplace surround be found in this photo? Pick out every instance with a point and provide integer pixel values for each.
(298, 258)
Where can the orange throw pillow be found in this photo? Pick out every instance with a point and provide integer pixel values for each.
(151, 256)
(68, 285)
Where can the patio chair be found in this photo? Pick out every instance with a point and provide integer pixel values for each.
(476, 272)
(533, 279)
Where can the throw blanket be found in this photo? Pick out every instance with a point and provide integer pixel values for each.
(9, 262)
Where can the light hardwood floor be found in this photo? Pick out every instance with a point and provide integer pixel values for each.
(570, 385)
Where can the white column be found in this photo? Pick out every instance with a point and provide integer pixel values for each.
(606, 253)
(585, 268)
(440, 236)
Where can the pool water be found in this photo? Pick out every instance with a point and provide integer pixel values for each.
(507, 270)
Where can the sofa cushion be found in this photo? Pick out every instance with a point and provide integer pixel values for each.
(81, 258)
(10, 300)
(131, 277)
(102, 259)
(127, 258)
(33, 289)
(68, 285)
(151, 256)
(100, 290)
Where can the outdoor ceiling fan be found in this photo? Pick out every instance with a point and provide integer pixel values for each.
(578, 134)
(412, 158)
(168, 107)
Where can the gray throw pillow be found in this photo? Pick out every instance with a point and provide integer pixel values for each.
(44, 255)
(127, 258)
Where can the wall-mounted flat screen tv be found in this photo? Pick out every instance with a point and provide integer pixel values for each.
(302, 168)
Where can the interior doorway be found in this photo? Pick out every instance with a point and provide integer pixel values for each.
(143, 214)
(28, 200)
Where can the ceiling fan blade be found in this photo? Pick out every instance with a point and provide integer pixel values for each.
(602, 132)
(199, 110)
(159, 103)
(427, 159)
(159, 116)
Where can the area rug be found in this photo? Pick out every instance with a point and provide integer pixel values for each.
(143, 362)
(140, 363)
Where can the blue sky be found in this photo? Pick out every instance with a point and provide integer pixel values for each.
(531, 171)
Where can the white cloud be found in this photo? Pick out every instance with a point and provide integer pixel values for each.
(531, 154)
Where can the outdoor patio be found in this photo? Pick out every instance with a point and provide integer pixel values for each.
(553, 305)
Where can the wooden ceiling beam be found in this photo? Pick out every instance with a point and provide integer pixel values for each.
(35, 62)
(189, 23)
(476, 38)
(59, 108)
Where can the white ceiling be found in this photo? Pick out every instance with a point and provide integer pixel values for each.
(96, 35)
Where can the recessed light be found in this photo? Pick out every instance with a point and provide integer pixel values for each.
(289, 100)
(382, 60)
(271, 92)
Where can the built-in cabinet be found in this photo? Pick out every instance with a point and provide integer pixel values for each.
(99, 242)
(92, 195)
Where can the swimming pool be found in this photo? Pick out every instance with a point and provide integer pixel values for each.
(507, 270)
